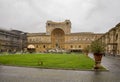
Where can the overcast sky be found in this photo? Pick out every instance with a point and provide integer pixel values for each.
(85, 15)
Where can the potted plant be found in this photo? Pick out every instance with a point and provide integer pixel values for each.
(97, 48)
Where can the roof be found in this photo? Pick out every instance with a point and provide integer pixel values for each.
(35, 34)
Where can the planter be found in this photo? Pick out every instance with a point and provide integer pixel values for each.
(98, 58)
(98, 48)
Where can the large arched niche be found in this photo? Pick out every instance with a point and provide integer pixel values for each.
(58, 38)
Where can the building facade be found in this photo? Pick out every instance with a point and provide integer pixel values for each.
(58, 36)
(112, 40)
(12, 40)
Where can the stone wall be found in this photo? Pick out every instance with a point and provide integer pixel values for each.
(65, 26)
(112, 40)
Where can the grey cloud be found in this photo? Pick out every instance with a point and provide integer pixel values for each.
(85, 15)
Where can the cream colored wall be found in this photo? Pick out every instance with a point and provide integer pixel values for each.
(39, 42)
(78, 41)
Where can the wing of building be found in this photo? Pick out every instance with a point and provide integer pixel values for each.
(12, 40)
(112, 40)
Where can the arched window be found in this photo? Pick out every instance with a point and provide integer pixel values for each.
(88, 45)
(30, 40)
(116, 37)
(43, 46)
(36, 46)
(67, 23)
(48, 24)
(79, 46)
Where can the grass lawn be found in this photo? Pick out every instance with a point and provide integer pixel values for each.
(57, 61)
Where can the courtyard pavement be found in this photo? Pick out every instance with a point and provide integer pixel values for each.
(23, 74)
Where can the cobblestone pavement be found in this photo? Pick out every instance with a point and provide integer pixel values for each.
(22, 74)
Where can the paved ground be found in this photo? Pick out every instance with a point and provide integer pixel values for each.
(22, 74)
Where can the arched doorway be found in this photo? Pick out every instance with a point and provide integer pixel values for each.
(58, 38)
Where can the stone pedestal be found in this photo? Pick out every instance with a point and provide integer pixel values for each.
(97, 65)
